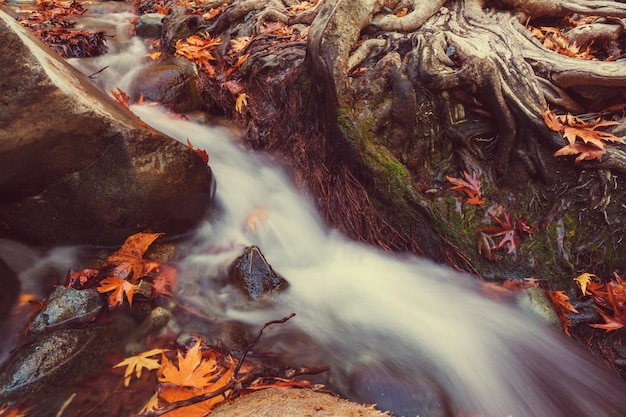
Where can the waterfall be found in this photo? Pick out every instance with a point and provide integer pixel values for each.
(406, 317)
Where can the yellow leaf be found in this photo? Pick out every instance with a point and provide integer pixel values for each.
(239, 44)
(152, 404)
(583, 280)
(241, 102)
(139, 362)
(154, 55)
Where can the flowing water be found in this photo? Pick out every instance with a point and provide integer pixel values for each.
(406, 319)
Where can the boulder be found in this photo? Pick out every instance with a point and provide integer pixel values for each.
(171, 83)
(150, 25)
(79, 168)
(294, 403)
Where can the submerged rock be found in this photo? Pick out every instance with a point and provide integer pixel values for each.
(254, 276)
(77, 167)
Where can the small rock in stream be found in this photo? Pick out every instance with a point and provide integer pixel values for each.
(150, 25)
(254, 275)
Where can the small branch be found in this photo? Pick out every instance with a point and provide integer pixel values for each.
(190, 401)
(255, 341)
(92, 76)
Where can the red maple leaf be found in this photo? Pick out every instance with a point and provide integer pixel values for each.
(505, 231)
(470, 186)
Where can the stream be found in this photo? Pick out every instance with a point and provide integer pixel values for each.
(399, 322)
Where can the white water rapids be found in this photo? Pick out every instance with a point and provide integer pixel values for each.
(406, 317)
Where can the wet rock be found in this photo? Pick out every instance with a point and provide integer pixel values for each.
(150, 25)
(171, 83)
(178, 25)
(254, 276)
(537, 302)
(49, 362)
(78, 168)
(65, 308)
(294, 403)
(10, 289)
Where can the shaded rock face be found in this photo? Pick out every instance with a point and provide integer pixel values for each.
(171, 83)
(254, 276)
(150, 25)
(78, 168)
(10, 290)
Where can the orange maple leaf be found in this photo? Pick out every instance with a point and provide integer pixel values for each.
(119, 287)
(584, 152)
(192, 369)
(582, 138)
(610, 323)
(199, 49)
(200, 152)
(563, 307)
(195, 375)
(128, 260)
(121, 97)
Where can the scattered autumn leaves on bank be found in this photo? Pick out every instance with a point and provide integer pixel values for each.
(582, 138)
(505, 233)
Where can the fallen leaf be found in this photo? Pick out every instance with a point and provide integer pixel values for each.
(121, 97)
(563, 307)
(471, 186)
(610, 323)
(402, 12)
(138, 363)
(128, 260)
(583, 280)
(238, 45)
(241, 102)
(119, 287)
(192, 369)
(582, 138)
(151, 404)
(154, 55)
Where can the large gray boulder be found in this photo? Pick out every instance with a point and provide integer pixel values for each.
(77, 167)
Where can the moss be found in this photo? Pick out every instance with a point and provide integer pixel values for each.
(388, 181)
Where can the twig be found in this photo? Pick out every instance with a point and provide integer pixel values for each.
(92, 76)
(255, 341)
